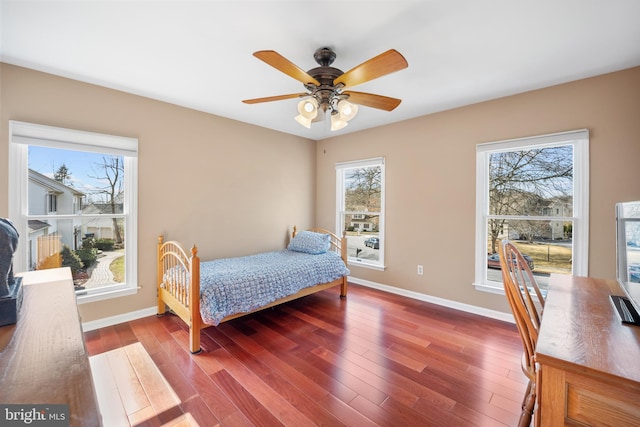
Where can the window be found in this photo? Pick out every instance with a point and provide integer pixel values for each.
(73, 199)
(533, 191)
(52, 203)
(360, 210)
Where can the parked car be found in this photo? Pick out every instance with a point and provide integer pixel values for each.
(372, 242)
(493, 261)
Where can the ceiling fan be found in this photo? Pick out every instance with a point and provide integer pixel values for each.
(326, 85)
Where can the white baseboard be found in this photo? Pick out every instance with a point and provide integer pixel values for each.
(499, 315)
(120, 318)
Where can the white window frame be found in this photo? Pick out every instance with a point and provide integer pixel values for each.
(51, 200)
(340, 209)
(579, 139)
(21, 135)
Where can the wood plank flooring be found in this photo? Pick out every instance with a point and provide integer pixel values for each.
(374, 359)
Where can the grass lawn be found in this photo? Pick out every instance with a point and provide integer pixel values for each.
(117, 268)
(548, 258)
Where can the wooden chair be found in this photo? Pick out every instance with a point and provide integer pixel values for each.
(519, 284)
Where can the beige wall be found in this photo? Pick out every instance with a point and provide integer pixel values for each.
(229, 187)
(250, 184)
(430, 178)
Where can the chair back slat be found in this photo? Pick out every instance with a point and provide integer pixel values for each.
(527, 304)
(524, 296)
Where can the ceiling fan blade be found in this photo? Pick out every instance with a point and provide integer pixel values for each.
(374, 101)
(281, 63)
(378, 66)
(274, 98)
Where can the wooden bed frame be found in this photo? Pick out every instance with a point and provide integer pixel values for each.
(186, 304)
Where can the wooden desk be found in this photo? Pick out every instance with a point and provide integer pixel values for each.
(44, 359)
(589, 361)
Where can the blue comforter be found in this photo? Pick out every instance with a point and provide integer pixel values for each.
(237, 285)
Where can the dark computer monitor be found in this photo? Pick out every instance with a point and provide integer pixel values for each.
(628, 259)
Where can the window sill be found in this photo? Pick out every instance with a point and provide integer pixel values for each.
(492, 289)
(364, 264)
(500, 290)
(107, 294)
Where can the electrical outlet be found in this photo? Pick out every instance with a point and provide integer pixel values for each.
(420, 270)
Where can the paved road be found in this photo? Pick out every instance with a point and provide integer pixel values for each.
(357, 242)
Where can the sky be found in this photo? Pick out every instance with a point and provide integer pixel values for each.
(82, 166)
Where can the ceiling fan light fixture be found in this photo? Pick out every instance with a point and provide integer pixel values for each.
(308, 109)
(304, 121)
(337, 122)
(347, 110)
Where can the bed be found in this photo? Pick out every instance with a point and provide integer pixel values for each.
(206, 293)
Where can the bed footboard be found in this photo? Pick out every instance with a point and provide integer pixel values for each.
(179, 286)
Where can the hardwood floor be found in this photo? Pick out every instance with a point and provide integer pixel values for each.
(372, 359)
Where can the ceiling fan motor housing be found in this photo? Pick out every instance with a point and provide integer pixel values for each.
(325, 74)
(324, 56)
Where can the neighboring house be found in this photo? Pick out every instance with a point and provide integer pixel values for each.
(102, 228)
(532, 204)
(362, 222)
(560, 207)
(48, 197)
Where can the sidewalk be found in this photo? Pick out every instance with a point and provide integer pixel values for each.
(101, 274)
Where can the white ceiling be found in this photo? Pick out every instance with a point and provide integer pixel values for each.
(198, 54)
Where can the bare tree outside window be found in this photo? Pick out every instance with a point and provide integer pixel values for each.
(111, 173)
(363, 189)
(525, 183)
(531, 203)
